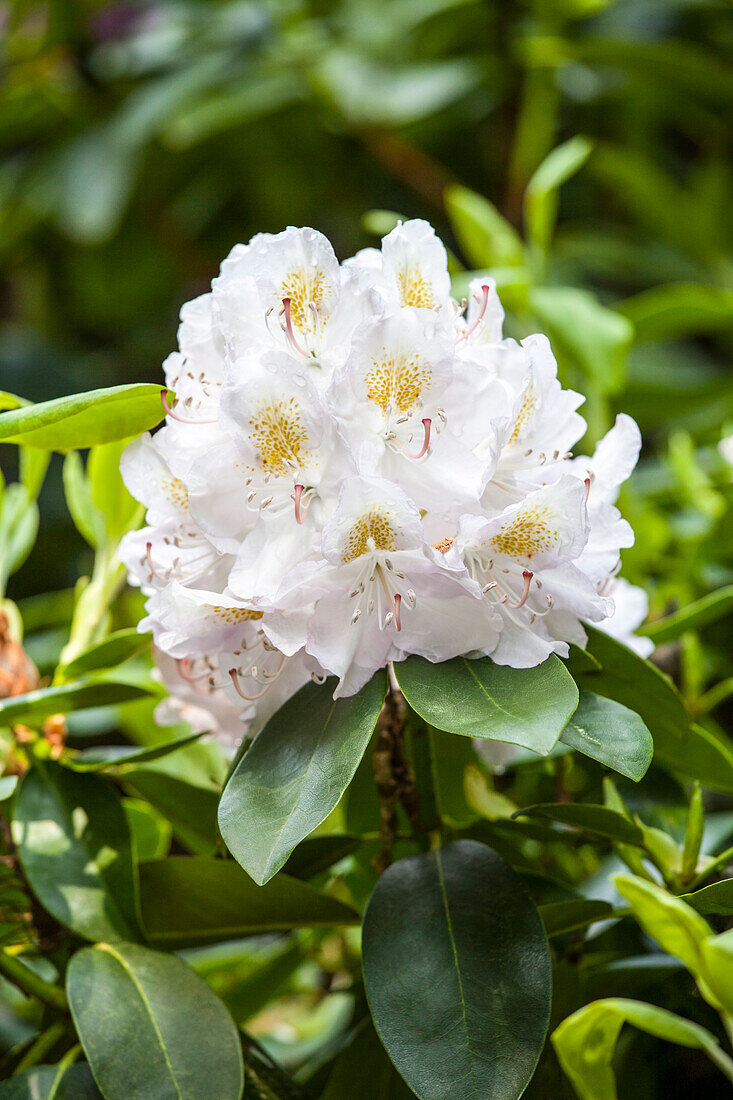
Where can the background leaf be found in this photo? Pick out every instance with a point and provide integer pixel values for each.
(74, 846)
(187, 901)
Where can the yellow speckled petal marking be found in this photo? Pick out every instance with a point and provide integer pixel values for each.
(529, 404)
(376, 526)
(415, 290)
(277, 433)
(397, 380)
(305, 288)
(176, 491)
(235, 615)
(530, 532)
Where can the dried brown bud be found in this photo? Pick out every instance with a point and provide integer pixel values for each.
(18, 674)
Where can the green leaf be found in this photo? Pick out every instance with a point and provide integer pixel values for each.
(694, 831)
(559, 917)
(33, 467)
(52, 1083)
(676, 927)
(639, 685)
(457, 973)
(477, 698)
(151, 833)
(717, 956)
(82, 509)
(100, 757)
(716, 605)
(295, 773)
(191, 810)
(189, 901)
(596, 338)
(150, 1027)
(318, 853)
(12, 401)
(18, 530)
(597, 820)
(371, 94)
(540, 197)
(363, 1071)
(74, 846)
(485, 236)
(111, 499)
(84, 419)
(713, 900)
(611, 734)
(92, 691)
(109, 653)
(585, 1042)
(678, 310)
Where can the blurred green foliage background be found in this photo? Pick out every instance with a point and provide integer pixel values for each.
(141, 140)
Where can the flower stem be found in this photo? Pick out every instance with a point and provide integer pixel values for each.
(423, 757)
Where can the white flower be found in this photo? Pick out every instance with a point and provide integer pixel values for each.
(631, 607)
(355, 468)
(378, 596)
(195, 697)
(522, 561)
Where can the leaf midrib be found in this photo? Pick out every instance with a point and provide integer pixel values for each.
(454, 950)
(146, 1004)
(274, 846)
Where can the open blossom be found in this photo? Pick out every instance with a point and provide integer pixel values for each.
(355, 468)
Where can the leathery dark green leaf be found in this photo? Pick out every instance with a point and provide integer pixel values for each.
(150, 1027)
(296, 772)
(457, 972)
(74, 845)
(187, 901)
(477, 698)
(610, 733)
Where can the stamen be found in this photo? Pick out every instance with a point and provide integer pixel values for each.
(426, 442)
(484, 303)
(587, 487)
(289, 328)
(170, 411)
(238, 688)
(153, 571)
(299, 516)
(527, 576)
(397, 603)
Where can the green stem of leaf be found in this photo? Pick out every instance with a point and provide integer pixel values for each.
(94, 602)
(43, 1044)
(719, 861)
(715, 696)
(28, 982)
(722, 1061)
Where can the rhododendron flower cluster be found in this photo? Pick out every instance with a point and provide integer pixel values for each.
(355, 468)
